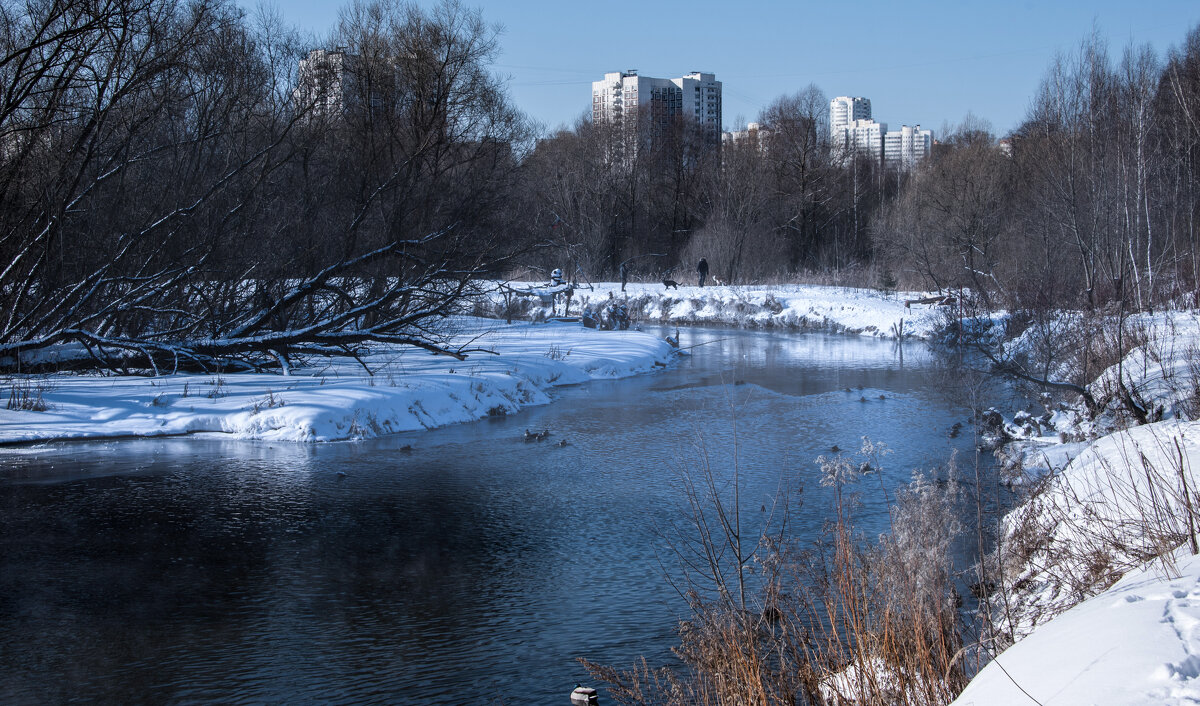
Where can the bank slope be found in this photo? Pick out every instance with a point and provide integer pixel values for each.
(409, 389)
(1136, 643)
(791, 307)
(1100, 587)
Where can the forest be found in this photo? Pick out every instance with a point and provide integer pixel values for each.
(174, 195)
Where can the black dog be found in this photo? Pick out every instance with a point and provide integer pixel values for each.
(670, 284)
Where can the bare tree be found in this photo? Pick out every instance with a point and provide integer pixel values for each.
(950, 222)
(797, 155)
(198, 212)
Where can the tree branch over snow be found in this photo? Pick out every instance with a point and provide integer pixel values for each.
(172, 195)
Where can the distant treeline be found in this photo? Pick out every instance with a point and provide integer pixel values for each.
(169, 175)
(1094, 198)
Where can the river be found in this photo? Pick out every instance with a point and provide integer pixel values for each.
(474, 567)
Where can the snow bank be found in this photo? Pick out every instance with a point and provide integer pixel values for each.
(865, 312)
(410, 390)
(1100, 588)
(1120, 502)
(1162, 372)
(1160, 375)
(1136, 643)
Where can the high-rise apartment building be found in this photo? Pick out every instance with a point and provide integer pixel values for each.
(844, 110)
(335, 83)
(852, 133)
(634, 103)
(325, 82)
(858, 138)
(903, 148)
(756, 134)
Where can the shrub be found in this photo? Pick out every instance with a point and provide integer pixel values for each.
(26, 394)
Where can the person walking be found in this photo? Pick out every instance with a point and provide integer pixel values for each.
(624, 273)
(702, 268)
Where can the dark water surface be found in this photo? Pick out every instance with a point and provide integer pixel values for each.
(474, 568)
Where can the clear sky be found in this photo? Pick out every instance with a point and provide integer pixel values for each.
(930, 63)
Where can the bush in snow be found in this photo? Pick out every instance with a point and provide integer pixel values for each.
(26, 394)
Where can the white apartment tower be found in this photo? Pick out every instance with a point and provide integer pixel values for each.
(844, 110)
(860, 137)
(629, 102)
(903, 148)
(756, 134)
(852, 131)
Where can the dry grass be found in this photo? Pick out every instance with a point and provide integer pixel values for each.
(1078, 534)
(26, 394)
(840, 620)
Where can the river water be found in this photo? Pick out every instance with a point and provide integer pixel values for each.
(474, 567)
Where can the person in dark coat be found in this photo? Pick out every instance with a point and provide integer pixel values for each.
(702, 268)
(624, 272)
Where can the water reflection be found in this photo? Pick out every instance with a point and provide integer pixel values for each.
(201, 569)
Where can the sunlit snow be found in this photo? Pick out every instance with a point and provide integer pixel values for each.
(407, 389)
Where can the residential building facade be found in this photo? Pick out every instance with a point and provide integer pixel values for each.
(755, 134)
(324, 85)
(844, 110)
(632, 103)
(904, 148)
(858, 138)
(854, 134)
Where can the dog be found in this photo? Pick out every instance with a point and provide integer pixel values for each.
(670, 284)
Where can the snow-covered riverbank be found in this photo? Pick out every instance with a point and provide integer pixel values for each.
(410, 389)
(1096, 577)
(791, 307)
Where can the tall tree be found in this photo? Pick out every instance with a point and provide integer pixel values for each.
(160, 158)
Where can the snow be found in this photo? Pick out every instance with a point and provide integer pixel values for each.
(1100, 588)
(1117, 504)
(411, 389)
(866, 312)
(1096, 618)
(1162, 370)
(1037, 457)
(1135, 643)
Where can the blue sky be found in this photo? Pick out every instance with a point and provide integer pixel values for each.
(919, 62)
